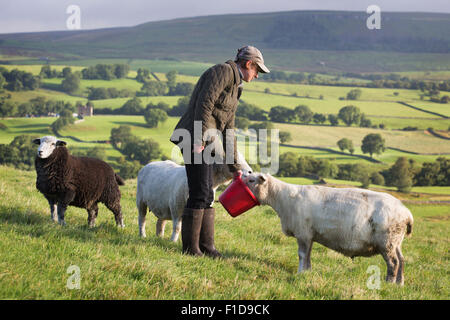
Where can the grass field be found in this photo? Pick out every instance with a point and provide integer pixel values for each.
(259, 261)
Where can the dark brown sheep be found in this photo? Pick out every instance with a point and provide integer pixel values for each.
(77, 181)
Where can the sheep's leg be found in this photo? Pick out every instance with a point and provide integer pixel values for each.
(142, 208)
(117, 210)
(392, 263)
(304, 251)
(61, 211)
(308, 257)
(400, 279)
(92, 215)
(67, 198)
(53, 210)
(160, 226)
(176, 228)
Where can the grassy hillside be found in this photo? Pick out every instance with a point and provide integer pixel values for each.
(296, 40)
(259, 261)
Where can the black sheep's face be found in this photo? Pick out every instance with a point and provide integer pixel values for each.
(47, 145)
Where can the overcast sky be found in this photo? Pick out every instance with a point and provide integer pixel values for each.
(46, 15)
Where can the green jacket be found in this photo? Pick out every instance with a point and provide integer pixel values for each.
(214, 102)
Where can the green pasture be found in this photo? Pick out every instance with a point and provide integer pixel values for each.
(327, 136)
(119, 102)
(259, 261)
(99, 128)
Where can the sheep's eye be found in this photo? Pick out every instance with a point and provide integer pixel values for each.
(251, 180)
(53, 144)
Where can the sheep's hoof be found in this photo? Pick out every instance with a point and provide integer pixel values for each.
(62, 223)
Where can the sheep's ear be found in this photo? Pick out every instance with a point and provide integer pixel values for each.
(261, 178)
(37, 141)
(60, 143)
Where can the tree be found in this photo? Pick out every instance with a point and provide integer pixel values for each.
(373, 143)
(319, 118)
(401, 175)
(143, 151)
(121, 70)
(120, 136)
(303, 113)
(287, 165)
(251, 112)
(285, 136)
(171, 78)
(241, 123)
(66, 71)
(349, 115)
(45, 71)
(281, 114)
(181, 89)
(7, 108)
(180, 108)
(334, 120)
(142, 75)
(345, 144)
(154, 116)
(354, 94)
(2, 82)
(71, 83)
(132, 106)
(153, 88)
(365, 122)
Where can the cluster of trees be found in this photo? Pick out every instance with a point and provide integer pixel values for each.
(17, 80)
(281, 76)
(403, 174)
(108, 93)
(48, 73)
(20, 153)
(159, 88)
(38, 106)
(106, 71)
(371, 143)
(137, 152)
(71, 82)
(349, 115)
(65, 118)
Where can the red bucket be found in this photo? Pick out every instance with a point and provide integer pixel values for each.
(238, 198)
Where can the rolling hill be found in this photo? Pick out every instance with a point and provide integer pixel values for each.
(295, 40)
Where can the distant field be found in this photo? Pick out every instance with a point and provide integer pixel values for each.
(415, 141)
(99, 128)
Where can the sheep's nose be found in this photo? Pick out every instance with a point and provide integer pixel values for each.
(40, 153)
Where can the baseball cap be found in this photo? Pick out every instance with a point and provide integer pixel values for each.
(253, 54)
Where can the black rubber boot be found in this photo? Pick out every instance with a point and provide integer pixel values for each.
(207, 234)
(190, 231)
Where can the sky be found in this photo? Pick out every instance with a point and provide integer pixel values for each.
(50, 15)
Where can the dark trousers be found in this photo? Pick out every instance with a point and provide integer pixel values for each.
(200, 183)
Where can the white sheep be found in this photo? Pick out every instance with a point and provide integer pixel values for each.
(162, 188)
(354, 222)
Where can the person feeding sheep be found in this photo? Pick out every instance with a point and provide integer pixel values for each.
(211, 112)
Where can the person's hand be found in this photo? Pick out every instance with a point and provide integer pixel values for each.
(198, 148)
